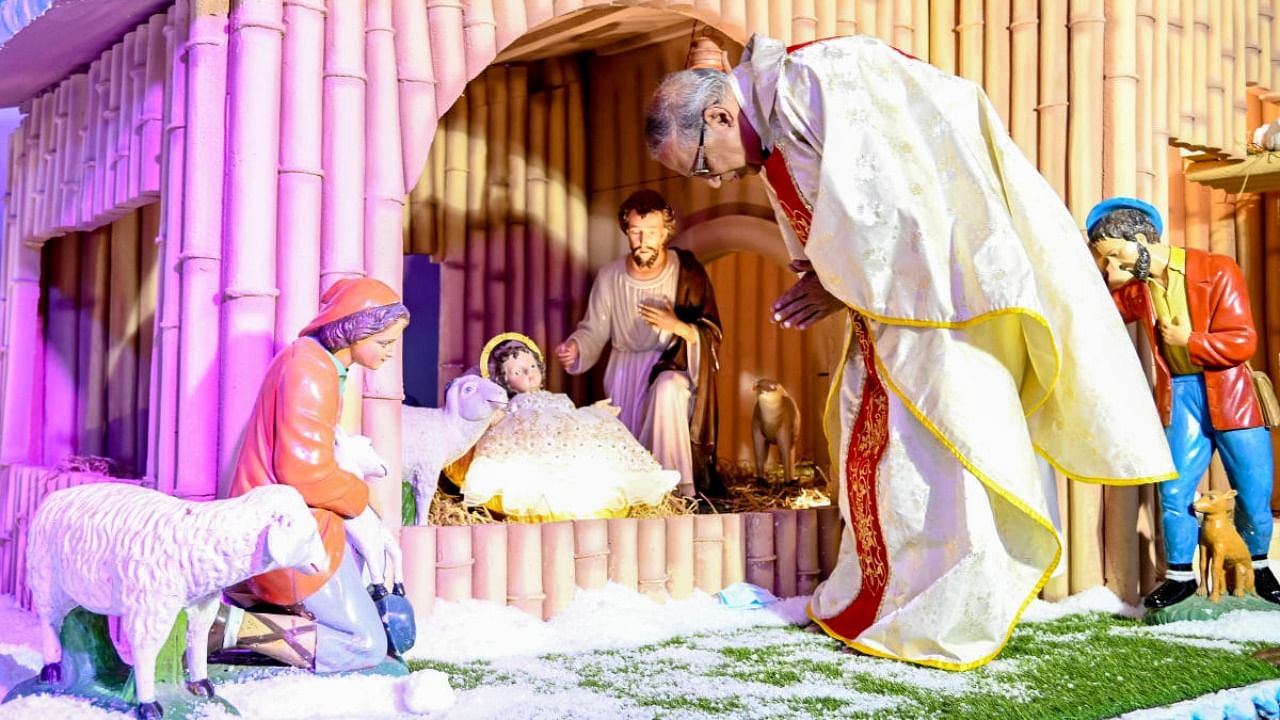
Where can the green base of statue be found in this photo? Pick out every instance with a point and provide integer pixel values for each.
(92, 670)
(1199, 607)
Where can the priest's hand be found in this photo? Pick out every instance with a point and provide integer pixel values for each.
(806, 302)
(567, 352)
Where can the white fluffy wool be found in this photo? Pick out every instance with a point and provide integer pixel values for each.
(434, 437)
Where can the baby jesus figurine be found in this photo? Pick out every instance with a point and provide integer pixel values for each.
(546, 459)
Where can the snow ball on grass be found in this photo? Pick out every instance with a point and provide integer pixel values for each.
(427, 691)
(1098, 599)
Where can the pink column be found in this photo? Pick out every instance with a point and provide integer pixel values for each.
(680, 556)
(479, 34)
(89, 145)
(509, 16)
(454, 562)
(784, 545)
(116, 135)
(249, 221)
(122, 99)
(761, 559)
(538, 12)
(52, 199)
(489, 576)
(40, 165)
(384, 193)
(623, 561)
(524, 568)
(18, 430)
(150, 125)
(137, 115)
(301, 169)
(557, 567)
(77, 109)
(201, 257)
(651, 557)
(591, 553)
(25, 172)
(448, 53)
(808, 567)
(417, 86)
(708, 553)
(830, 528)
(418, 544)
(735, 549)
(103, 137)
(163, 425)
(343, 148)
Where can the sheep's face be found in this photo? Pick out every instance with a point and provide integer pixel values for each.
(292, 536)
(356, 455)
(473, 398)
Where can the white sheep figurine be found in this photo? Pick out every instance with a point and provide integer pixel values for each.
(435, 437)
(117, 549)
(365, 532)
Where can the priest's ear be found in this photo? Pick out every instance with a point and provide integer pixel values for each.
(719, 116)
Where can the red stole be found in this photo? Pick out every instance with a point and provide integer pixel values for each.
(866, 444)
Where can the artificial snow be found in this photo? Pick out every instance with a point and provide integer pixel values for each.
(612, 617)
(1242, 703)
(536, 669)
(1098, 599)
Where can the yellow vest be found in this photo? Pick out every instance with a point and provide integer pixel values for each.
(1171, 302)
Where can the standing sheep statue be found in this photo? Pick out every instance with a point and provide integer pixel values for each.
(117, 549)
(435, 437)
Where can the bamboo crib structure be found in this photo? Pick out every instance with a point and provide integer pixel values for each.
(538, 568)
(357, 130)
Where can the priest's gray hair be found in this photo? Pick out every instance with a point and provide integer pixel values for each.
(675, 112)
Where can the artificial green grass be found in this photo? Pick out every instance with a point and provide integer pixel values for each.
(1077, 667)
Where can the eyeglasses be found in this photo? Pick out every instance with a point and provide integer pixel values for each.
(700, 168)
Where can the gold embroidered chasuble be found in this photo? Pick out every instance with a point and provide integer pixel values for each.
(983, 326)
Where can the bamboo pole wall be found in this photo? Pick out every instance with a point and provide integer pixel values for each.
(1093, 91)
(100, 301)
(510, 212)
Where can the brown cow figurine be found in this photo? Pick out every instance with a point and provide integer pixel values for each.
(1222, 551)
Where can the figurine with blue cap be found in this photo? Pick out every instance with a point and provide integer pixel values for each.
(1193, 307)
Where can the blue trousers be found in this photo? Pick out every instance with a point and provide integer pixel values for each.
(349, 633)
(1246, 455)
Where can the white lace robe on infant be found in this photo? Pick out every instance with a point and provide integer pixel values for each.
(550, 460)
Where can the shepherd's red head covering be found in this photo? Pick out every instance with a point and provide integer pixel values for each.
(349, 296)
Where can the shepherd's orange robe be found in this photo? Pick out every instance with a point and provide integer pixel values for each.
(289, 440)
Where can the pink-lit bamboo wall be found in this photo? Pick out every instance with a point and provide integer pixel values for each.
(347, 95)
(98, 318)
